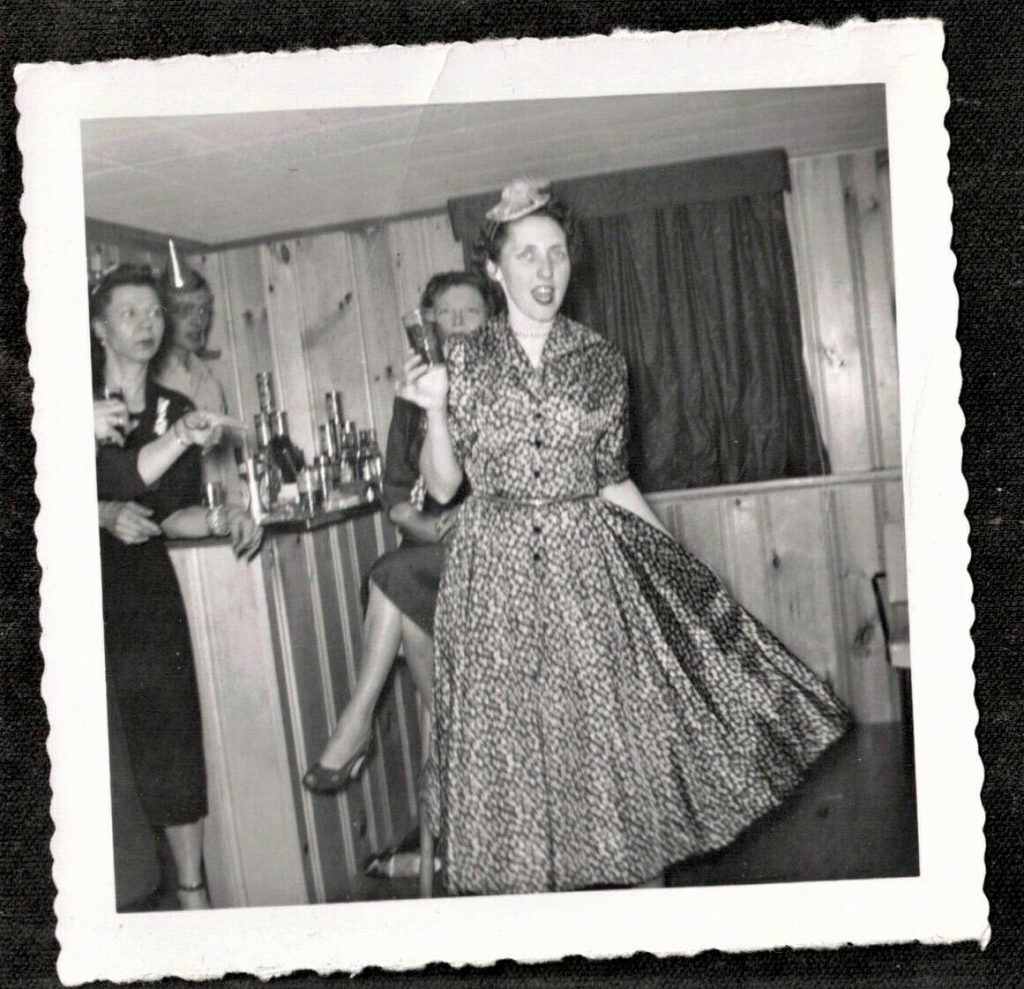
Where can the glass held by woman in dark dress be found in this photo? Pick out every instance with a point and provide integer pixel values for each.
(403, 583)
(149, 659)
(602, 706)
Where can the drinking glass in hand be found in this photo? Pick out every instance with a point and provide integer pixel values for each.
(421, 330)
(118, 395)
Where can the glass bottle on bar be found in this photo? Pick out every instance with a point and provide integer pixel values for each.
(335, 422)
(348, 450)
(287, 455)
(375, 463)
(270, 476)
(328, 457)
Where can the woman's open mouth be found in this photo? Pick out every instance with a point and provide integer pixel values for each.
(544, 294)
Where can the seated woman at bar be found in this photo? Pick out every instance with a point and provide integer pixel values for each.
(149, 655)
(403, 583)
(602, 708)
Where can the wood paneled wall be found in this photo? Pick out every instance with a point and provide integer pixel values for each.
(313, 586)
(322, 311)
(800, 554)
(838, 213)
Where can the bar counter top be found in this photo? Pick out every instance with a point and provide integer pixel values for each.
(297, 525)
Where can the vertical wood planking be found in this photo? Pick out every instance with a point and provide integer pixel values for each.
(801, 560)
(252, 818)
(287, 325)
(798, 578)
(421, 247)
(699, 527)
(247, 329)
(327, 278)
(829, 310)
(872, 683)
(746, 554)
(383, 339)
(876, 302)
(330, 847)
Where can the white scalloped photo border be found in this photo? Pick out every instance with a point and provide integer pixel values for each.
(944, 903)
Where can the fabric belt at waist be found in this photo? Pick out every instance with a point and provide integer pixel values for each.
(532, 502)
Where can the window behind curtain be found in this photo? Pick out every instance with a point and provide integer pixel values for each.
(688, 270)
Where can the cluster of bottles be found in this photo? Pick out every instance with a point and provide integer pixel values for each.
(347, 470)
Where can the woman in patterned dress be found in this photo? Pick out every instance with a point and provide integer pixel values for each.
(403, 583)
(603, 707)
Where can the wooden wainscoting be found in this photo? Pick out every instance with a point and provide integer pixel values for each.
(799, 554)
(313, 585)
(277, 649)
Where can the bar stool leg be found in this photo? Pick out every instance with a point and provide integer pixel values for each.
(426, 836)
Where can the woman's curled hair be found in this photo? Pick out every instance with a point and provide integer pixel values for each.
(99, 299)
(493, 235)
(441, 282)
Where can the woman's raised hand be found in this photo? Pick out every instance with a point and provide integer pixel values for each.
(110, 419)
(204, 429)
(426, 385)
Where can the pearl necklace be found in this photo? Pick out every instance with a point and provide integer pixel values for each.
(532, 334)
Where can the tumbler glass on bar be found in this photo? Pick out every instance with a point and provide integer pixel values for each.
(421, 330)
(217, 517)
(311, 496)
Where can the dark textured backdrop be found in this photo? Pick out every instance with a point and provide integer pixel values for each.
(985, 54)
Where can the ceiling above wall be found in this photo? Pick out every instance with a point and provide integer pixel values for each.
(226, 178)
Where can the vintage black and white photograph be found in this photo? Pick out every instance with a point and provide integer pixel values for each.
(504, 495)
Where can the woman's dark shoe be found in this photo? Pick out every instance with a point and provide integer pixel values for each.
(320, 779)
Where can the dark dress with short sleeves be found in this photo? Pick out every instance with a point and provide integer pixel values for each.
(410, 575)
(150, 670)
(602, 706)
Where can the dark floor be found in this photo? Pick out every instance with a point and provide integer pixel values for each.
(852, 818)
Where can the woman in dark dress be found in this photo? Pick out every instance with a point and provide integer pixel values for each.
(149, 657)
(602, 706)
(403, 583)
(127, 474)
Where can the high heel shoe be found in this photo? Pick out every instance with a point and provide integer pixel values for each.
(320, 779)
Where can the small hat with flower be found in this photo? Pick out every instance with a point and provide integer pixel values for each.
(518, 199)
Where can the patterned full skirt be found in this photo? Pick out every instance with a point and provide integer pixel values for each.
(603, 707)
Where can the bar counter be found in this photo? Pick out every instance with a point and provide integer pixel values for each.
(276, 643)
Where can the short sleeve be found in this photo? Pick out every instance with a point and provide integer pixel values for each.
(117, 474)
(461, 399)
(610, 455)
(401, 459)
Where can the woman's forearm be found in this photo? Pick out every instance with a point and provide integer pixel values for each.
(438, 464)
(627, 495)
(186, 523)
(157, 456)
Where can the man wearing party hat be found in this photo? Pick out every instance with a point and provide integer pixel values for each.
(189, 314)
(184, 369)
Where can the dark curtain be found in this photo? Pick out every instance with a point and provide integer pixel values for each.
(688, 270)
